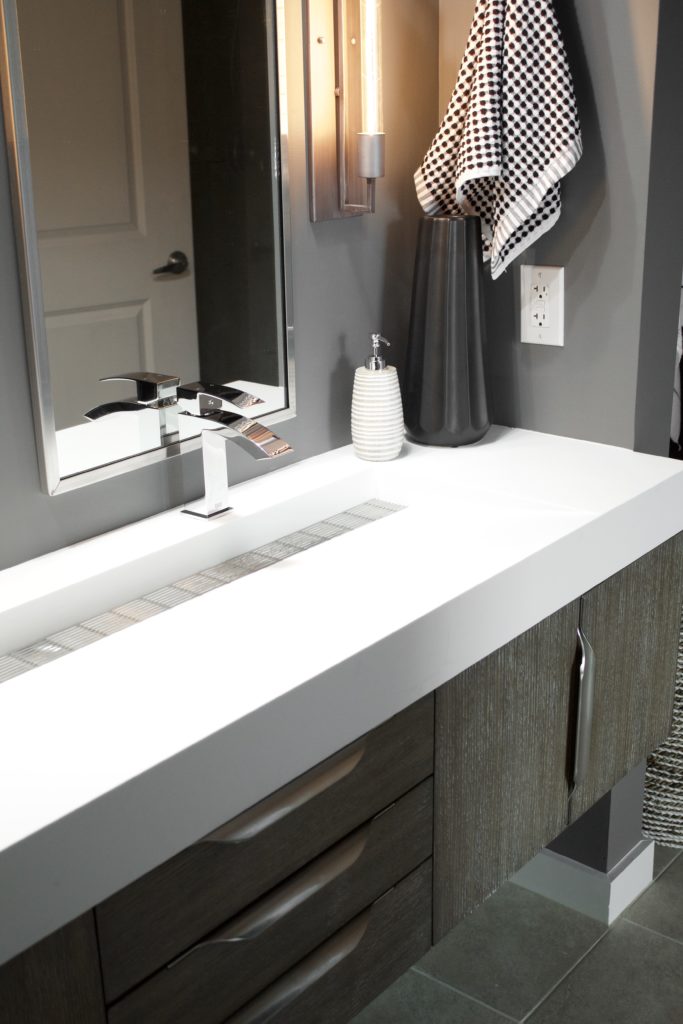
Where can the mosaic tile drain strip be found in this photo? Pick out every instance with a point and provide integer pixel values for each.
(65, 641)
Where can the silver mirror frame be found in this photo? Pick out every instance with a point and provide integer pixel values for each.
(16, 134)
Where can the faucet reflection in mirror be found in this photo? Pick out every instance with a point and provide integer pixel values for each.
(137, 130)
(345, 129)
(154, 391)
(211, 405)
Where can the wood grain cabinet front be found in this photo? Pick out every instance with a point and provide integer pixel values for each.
(157, 918)
(345, 973)
(57, 981)
(232, 965)
(631, 622)
(501, 750)
(567, 708)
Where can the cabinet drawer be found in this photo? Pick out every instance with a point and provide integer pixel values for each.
(162, 914)
(355, 965)
(234, 964)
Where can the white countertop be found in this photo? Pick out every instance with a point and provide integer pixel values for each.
(115, 757)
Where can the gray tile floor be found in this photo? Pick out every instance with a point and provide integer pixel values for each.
(521, 957)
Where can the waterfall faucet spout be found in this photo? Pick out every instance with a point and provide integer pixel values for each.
(219, 408)
(222, 427)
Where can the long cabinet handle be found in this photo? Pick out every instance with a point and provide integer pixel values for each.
(256, 820)
(584, 717)
(287, 897)
(302, 977)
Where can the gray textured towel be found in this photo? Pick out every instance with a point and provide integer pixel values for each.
(511, 130)
(663, 808)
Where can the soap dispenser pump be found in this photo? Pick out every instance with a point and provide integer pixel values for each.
(376, 409)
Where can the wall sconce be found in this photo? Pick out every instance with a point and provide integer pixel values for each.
(344, 106)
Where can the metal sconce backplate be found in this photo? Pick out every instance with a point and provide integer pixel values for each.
(333, 109)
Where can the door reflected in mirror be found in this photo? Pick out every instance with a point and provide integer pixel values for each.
(153, 211)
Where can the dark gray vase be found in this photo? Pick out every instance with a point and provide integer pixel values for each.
(444, 393)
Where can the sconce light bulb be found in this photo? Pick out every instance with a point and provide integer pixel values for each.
(371, 67)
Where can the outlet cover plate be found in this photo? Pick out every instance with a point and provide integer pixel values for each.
(542, 305)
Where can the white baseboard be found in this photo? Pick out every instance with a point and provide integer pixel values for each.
(599, 895)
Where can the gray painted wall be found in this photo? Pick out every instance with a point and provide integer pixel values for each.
(664, 239)
(610, 383)
(590, 388)
(349, 279)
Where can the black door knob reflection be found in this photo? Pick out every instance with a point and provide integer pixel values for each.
(177, 264)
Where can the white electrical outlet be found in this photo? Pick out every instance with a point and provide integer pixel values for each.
(542, 319)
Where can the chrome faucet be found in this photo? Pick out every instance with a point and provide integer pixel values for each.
(209, 404)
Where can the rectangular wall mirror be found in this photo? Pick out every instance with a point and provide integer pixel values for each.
(147, 143)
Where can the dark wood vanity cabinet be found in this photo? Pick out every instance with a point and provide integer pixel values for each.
(302, 908)
(306, 906)
(632, 622)
(57, 981)
(500, 781)
(356, 964)
(506, 729)
(185, 900)
(234, 964)
(321, 891)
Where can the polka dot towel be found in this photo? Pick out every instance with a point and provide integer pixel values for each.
(510, 133)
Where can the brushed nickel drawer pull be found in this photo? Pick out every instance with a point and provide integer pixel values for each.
(272, 908)
(283, 992)
(271, 810)
(584, 716)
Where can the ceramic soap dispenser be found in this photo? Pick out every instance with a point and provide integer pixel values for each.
(376, 410)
